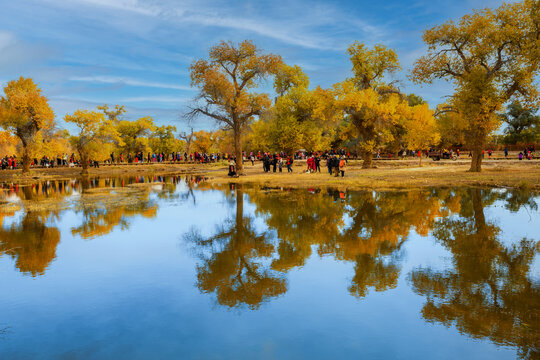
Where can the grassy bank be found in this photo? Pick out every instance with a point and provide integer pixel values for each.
(394, 174)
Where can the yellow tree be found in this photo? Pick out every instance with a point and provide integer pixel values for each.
(8, 143)
(115, 114)
(50, 143)
(372, 104)
(421, 129)
(288, 77)
(162, 139)
(96, 133)
(226, 81)
(452, 128)
(134, 134)
(491, 57)
(372, 115)
(24, 111)
(299, 118)
(223, 141)
(203, 141)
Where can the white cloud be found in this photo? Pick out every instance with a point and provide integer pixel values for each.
(6, 39)
(124, 5)
(128, 81)
(287, 27)
(256, 26)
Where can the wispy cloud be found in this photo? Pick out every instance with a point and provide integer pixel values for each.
(6, 39)
(273, 31)
(129, 82)
(158, 99)
(124, 5)
(303, 31)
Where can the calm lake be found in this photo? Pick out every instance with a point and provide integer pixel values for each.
(175, 267)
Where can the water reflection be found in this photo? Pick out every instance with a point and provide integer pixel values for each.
(379, 223)
(104, 203)
(233, 264)
(31, 243)
(488, 293)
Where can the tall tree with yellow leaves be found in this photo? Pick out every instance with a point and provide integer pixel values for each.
(96, 133)
(135, 135)
(24, 111)
(491, 57)
(371, 103)
(226, 81)
(421, 129)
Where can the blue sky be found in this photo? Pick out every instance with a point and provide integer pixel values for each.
(137, 52)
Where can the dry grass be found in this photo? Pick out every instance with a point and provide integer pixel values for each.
(398, 175)
(395, 174)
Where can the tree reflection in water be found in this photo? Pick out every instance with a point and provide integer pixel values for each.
(105, 204)
(233, 262)
(488, 293)
(31, 243)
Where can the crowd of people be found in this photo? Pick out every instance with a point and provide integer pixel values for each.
(162, 157)
(335, 161)
(272, 162)
(9, 162)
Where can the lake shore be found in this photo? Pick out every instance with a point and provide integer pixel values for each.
(388, 174)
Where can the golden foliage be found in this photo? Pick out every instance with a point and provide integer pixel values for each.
(490, 56)
(96, 135)
(225, 82)
(24, 111)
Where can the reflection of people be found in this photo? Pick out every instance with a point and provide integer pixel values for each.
(232, 168)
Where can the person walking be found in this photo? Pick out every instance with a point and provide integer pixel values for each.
(329, 164)
(342, 165)
(335, 163)
(289, 164)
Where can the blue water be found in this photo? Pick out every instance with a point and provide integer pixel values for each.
(188, 270)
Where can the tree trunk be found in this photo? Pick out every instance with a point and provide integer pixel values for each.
(420, 162)
(368, 160)
(25, 161)
(476, 163)
(84, 164)
(238, 152)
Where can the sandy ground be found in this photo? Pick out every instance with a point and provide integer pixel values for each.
(388, 174)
